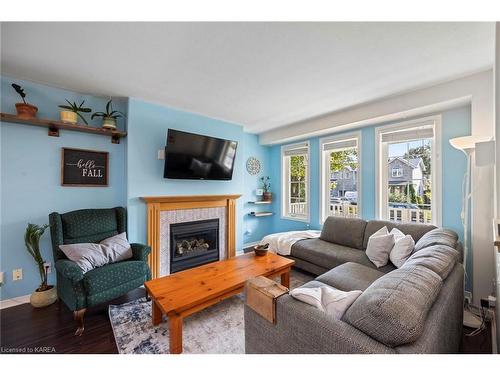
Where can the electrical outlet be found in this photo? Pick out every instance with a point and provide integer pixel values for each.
(17, 274)
(48, 266)
(161, 154)
(1, 278)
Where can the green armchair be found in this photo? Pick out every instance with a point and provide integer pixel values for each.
(80, 290)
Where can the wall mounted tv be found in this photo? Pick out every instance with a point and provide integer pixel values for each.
(198, 157)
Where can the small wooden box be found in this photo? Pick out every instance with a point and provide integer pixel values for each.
(261, 294)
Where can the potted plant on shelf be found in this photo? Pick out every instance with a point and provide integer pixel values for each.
(24, 110)
(266, 185)
(109, 117)
(72, 112)
(44, 295)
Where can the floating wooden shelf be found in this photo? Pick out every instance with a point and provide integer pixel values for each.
(55, 126)
(260, 202)
(260, 214)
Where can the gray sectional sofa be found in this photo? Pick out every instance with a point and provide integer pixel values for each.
(414, 309)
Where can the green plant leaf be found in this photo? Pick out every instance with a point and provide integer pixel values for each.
(83, 118)
(65, 107)
(86, 110)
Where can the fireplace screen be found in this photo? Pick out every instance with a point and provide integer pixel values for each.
(193, 243)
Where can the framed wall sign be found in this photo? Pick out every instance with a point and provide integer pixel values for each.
(84, 167)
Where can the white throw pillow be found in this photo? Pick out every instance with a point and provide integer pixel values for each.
(327, 299)
(117, 248)
(92, 255)
(379, 247)
(403, 247)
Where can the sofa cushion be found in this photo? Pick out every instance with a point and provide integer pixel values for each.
(328, 255)
(350, 276)
(439, 258)
(414, 230)
(344, 231)
(438, 236)
(113, 275)
(394, 308)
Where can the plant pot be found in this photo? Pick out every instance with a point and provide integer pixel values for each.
(267, 196)
(109, 123)
(69, 117)
(45, 298)
(26, 111)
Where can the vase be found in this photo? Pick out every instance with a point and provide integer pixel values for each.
(69, 117)
(45, 298)
(26, 111)
(109, 123)
(267, 196)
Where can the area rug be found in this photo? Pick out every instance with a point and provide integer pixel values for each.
(218, 329)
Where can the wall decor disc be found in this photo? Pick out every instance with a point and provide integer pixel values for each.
(253, 165)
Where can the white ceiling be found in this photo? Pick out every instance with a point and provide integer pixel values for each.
(259, 75)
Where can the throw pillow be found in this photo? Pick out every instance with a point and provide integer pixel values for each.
(403, 247)
(327, 299)
(91, 255)
(117, 248)
(379, 247)
(86, 255)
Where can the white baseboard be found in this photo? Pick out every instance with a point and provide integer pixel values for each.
(245, 245)
(14, 301)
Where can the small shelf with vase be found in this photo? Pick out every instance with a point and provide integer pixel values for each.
(260, 214)
(260, 202)
(54, 127)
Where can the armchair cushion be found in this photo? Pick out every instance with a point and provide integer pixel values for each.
(69, 270)
(140, 251)
(113, 276)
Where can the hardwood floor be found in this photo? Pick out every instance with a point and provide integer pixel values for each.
(52, 329)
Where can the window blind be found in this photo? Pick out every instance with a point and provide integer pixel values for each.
(348, 143)
(298, 149)
(408, 135)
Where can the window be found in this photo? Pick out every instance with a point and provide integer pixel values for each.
(397, 172)
(408, 171)
(340, 177)
(295, 181)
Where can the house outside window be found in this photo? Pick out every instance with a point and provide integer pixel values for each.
(295, 181)
(408, 171)
(340, 176)
(397, 172)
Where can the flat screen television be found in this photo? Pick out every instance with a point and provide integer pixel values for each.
(198, 157)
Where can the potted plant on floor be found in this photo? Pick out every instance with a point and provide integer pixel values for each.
(45, 294)
(24, 109)
(266, 185)
(72, 112)
(109, 117)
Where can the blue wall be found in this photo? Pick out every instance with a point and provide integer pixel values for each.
(147, 128)
(30, 178)
(455, 122)
(30, 181)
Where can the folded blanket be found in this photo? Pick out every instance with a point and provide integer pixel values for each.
(281, 243)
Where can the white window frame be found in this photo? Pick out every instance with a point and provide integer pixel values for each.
(381, 170)
(324, 186)
(399, 172)
(285, 182)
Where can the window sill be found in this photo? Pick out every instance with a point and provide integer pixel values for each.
(296, 218)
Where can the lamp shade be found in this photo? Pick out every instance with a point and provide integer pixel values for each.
(468, 143)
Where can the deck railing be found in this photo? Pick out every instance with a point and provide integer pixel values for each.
(346, 209)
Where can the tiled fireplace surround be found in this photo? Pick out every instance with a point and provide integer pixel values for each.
(166, 210)
(183, 216)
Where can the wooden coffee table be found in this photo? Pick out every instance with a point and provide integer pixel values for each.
(184, 293)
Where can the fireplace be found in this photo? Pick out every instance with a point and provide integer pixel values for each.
(193, 243)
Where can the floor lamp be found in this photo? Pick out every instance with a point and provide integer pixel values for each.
(467, 145)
